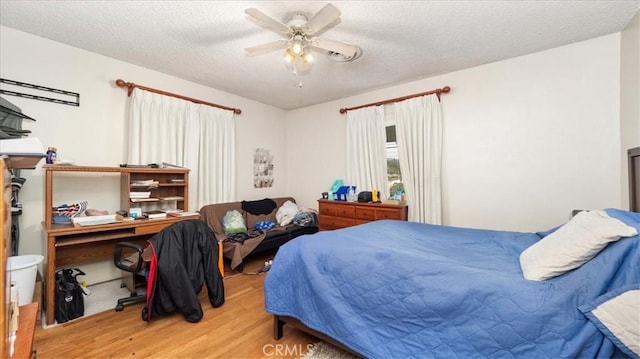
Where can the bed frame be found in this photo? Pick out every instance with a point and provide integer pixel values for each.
(634, 205)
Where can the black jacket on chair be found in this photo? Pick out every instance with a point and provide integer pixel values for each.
(185, 255)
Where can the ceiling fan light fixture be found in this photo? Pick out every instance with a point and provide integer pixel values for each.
(308, 56)
(301, 33)
(296, 47)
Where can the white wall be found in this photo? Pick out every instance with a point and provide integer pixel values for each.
(94, 132)
(526, 140)
(629, 98)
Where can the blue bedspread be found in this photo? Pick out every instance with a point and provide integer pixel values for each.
(392, 289)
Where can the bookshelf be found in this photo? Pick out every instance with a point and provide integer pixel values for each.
(166, 187)
(172, 187)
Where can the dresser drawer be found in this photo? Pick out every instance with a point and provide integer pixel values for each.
(366, 213)
(339, 210)
(382, 213)
(329, 222)
(340, 214)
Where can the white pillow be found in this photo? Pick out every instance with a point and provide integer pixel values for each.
(286, 213)
(572, 245)
(617, 315)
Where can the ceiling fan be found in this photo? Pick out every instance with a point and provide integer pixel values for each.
(301, 35)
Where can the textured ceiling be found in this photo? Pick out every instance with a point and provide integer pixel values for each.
(204, 41)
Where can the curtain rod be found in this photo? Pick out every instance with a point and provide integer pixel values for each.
(130, 86)
(445, 89)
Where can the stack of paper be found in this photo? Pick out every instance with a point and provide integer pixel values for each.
(155, 214)
(144, 183)
(95, 220)
(139, 194)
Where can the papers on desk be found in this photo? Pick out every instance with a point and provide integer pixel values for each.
(95, 220)
(22, 146)
(22, 152)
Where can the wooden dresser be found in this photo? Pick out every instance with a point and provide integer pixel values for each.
(340, 214)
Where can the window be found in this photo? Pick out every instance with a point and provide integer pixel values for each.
(394, 176)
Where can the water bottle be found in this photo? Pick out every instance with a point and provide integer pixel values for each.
(51, 155)
(352, 194)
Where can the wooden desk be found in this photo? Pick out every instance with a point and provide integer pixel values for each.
(68, 245)
(23, 346)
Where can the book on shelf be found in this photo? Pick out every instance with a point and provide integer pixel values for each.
(172, 198)
(144, 183)
(155, 214)
(144, 199)
(182, 214)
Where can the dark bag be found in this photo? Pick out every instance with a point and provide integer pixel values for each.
(69, 295)
(365, 196)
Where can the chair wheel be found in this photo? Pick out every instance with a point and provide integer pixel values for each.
(145, 314)
(119, 307)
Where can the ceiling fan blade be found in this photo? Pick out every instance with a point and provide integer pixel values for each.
(346, 50)
(265, 48)
(268, 22)
(325, 17)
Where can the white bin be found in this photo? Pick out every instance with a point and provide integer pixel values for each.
(23, 271)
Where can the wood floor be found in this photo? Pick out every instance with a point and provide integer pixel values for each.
(241, 328)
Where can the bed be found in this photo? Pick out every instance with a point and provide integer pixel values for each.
(393, 289)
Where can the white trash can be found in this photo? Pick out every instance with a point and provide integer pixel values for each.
(22, 270)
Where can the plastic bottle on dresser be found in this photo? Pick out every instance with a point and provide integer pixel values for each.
(51, 156)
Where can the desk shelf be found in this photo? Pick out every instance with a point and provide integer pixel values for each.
(68, 245)
(76, 239)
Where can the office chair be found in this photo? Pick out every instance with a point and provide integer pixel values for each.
(128, 257)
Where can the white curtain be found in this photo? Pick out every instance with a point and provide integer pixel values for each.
(419, 139)
(366, 153)
(198, 137)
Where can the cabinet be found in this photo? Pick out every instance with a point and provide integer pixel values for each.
(68, 245)
(5, 237)
(23, 343)
(340, 214)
